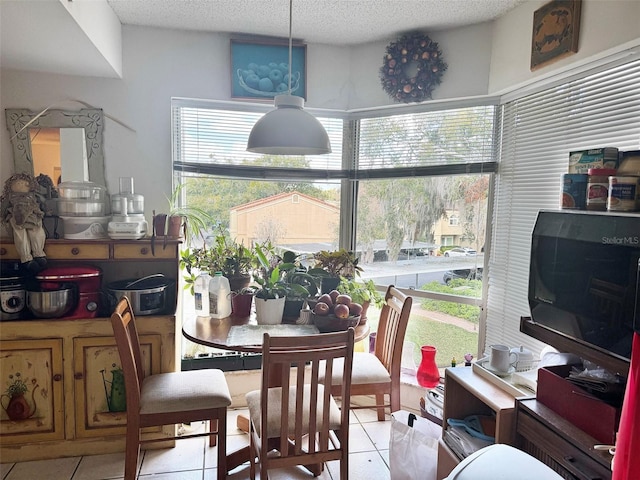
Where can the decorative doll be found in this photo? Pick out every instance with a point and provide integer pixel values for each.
(21, 208)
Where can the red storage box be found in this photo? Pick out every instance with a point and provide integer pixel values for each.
(587, 412)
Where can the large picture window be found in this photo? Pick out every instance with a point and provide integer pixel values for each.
(387, 192)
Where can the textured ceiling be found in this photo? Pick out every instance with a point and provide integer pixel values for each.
(337, 22)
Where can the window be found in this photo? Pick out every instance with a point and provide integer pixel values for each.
(599, 109)
(453, 220)
(402, 177)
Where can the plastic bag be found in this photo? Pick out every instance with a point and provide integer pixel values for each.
(413, 449)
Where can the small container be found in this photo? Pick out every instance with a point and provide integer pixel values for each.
(126, 202)
(219, 296)
(574, 191)
(598, 187)
(624, 194)
(82, 191)
(201, 294)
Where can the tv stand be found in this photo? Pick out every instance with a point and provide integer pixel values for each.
(551, 439)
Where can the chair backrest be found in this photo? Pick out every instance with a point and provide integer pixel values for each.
(392, 327)
(128, 342)
(295, 363)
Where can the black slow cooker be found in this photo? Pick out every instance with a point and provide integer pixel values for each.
(12, 293)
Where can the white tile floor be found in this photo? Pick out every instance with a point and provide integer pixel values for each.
(192, 459)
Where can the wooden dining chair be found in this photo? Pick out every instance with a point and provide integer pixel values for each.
(167, 398)
(293, 413)
(378, 373)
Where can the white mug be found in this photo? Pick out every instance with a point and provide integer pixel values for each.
(502, 358)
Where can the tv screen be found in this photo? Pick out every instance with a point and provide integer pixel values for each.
(583, 279)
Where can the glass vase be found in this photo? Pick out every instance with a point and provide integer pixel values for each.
(428, 375)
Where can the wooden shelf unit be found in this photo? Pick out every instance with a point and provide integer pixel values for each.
(467, 393)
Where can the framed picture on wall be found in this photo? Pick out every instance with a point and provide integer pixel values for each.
(556, 27)
(260, 70)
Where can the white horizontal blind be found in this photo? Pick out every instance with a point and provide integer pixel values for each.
(538, 132)
(205, 137)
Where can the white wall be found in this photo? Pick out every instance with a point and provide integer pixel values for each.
(160, 64)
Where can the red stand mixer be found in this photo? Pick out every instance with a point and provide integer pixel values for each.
(86, 280)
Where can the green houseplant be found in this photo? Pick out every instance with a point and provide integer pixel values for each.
(271, 287)
(300, 284)
(364, 293)
(331, 265)
(193, 220)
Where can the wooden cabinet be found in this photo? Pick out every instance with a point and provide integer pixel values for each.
(73, 404)
(553, 440)
(467, 393)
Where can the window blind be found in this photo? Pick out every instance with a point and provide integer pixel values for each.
(538, 132)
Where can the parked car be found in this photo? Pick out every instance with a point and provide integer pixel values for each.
(463, 273)
(460, 252)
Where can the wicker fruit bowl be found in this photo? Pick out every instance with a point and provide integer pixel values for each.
(331, 323)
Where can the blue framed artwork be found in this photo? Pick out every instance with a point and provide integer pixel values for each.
(260, 70)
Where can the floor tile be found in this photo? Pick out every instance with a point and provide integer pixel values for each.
(363, 465)
(187, 475)
(4, 469)
(359, 441)
(57, 469)
(366, 415)
(379, 433)
(186, 455)
(101, 467)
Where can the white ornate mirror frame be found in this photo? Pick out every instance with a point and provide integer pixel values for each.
(91, 119)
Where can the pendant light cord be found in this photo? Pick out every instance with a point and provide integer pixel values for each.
(290, 41)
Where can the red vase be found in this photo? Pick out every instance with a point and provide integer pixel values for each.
(428, 374)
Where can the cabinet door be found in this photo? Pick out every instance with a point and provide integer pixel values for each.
(79, 251)
(99, 383)
(144, 251)
(32, 391)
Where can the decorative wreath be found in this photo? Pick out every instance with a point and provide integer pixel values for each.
(410, 51)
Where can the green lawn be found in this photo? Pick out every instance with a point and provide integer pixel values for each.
(449, 340)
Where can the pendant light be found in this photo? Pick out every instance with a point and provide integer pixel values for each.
(289, 130)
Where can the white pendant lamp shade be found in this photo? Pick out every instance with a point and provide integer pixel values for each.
(288, 130)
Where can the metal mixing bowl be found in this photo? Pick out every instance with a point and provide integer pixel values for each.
(51, 303)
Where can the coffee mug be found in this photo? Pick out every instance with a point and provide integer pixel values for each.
(502, 358)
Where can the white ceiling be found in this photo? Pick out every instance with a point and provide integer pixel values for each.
(338, 22)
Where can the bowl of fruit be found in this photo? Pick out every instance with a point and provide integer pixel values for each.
(335, 312)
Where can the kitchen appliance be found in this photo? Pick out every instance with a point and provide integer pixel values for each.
(127, 209)
(153, 294)
(12, 292)
(81, 206)
(86, 281)
(52, 303)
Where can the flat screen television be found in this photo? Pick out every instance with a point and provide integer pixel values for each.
(583, 284)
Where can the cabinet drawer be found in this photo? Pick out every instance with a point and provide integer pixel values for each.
(143, 251)
(8, 252)
(544, 444)
(80, 251)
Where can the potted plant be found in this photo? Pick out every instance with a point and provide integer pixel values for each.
(271, 288)
(192, 220)
(300, 284)
(233, 259)
(364, 293)
(331, 265)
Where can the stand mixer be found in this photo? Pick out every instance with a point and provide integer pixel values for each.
(127, 209)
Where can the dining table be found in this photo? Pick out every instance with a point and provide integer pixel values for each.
(243, 334)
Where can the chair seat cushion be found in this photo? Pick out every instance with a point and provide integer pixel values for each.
(183, 391)
(275, 408)
(367, 368)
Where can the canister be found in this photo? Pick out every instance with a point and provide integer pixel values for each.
(574, 191)
(598, 187)
(624, 194)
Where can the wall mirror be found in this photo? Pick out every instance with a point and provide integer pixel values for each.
(63, 144)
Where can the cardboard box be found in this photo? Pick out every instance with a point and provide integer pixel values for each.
(582, 160)
(587, 412)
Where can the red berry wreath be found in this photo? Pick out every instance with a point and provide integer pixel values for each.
(412, 52)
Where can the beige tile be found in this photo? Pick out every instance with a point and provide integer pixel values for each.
(232, 416)
(57, 469)
(186, 455)
(187, 475)
(385, 456)
(359, 440)
(101, 467)
(364, 465)
(366, 415)
(234, 442)
(379, 433)
(4, 468)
